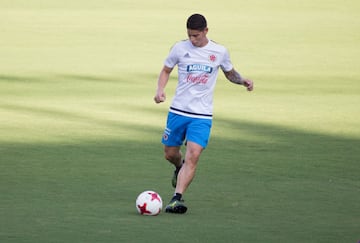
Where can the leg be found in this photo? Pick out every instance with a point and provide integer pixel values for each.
(173, 155)
(188, 169)
(186, 174)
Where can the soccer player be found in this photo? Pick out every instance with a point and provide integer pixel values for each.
(190, 114)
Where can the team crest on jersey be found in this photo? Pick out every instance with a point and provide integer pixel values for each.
(212, 58)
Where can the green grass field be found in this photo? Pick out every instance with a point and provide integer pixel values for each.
(80, 133)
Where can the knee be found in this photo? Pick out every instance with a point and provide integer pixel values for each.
(193, 153)
(172, 155)
(169, 156)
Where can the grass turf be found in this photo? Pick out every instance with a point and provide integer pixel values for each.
(80, 133)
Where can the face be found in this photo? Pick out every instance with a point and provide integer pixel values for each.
(198, 38)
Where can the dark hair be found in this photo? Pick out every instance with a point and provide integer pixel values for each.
(196, 22)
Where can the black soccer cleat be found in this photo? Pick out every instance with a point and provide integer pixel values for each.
(176, 206)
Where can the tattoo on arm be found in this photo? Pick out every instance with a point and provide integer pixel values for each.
(234, 77)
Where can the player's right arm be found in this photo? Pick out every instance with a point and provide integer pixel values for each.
(160, 95)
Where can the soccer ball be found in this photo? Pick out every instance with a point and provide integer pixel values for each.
(149, 203)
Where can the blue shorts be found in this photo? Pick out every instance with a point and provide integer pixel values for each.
(180, 128)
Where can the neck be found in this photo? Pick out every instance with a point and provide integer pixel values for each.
(204, 43)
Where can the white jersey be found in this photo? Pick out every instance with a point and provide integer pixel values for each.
(197, 73)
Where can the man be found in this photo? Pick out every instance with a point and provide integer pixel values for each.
(190, 115)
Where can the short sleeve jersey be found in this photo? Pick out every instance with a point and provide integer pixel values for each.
(197, 73)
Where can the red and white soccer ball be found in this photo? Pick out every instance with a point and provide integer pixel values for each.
(149, 203)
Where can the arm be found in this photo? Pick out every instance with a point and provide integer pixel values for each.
(160, 95)
(234, 77)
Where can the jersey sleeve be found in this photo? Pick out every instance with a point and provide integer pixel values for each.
(226, 64)
(172, 59)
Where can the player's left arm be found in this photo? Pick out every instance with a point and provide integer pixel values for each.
(235, 77)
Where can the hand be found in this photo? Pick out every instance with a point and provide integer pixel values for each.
(249, 84)
(160, 97)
